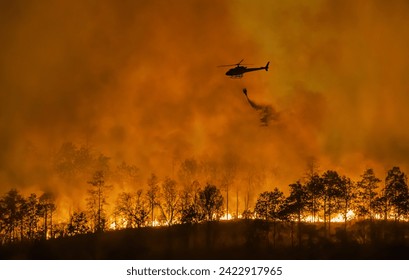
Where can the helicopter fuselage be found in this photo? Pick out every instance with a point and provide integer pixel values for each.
(238, 71)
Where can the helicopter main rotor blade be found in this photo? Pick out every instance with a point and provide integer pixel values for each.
(238, 64)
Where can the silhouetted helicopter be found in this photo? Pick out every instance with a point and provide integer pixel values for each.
(239, 70)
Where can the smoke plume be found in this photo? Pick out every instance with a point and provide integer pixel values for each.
(267, 112)
(137, 82)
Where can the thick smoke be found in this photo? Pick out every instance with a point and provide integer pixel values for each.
(136, 81)
(267, 112)
(354, 55)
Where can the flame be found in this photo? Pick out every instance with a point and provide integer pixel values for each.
(112, 226)
(156, 223)
(339, 218)
(226, 217)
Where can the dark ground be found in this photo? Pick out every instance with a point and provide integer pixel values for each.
(251, 239)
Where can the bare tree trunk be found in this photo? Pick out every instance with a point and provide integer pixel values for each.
(45, 223)
(51, 223)
(345, 220)
(329, 217)
(227, 202)
(237, 203)
(292, 233)
(299, 229)
(152, 207)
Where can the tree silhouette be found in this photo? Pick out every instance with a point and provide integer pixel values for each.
(141, 212)
(191, 214)
(96, 200)
(211, 202)
(347, 194)
(227, 176)
(255, 181)
(33, 211)
(379, 207)
(2, 221)
(153, 195)
(396, 193)
(269, 206)
(46, 209)
(315, 193)
(184, 201)
(332, 191)
(12, 208)
(132, 210)
(296, 204)
(189, 209)
(170, 200)
(366, 195)
(78, 224)
(124, 209)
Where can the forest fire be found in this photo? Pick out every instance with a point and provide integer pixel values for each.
(116, 116)
(319, 198)
(226, 217)
(339, 218)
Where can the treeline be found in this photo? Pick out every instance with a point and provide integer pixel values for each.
(318, 198)
(30, 218)
(23, 218)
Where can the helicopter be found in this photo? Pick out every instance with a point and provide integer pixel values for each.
(239, 70)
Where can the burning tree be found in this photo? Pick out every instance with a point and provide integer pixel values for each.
(32, 210)
(47, 208)
(315, 190)
(153, 195)
(332, 191)
(396, 193)
(269, 205)
(78, 224)
(366, 196)
(228, 176)
(346, 197)
(12, 214)
(295, 205)
(188, 173)
(169, 203)
(97, 200)
(211, 202)
(132, 208)
(189, 209)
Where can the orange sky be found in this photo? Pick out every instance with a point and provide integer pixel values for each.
(137, 81)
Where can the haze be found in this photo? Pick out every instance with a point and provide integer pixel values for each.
(138, 82)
